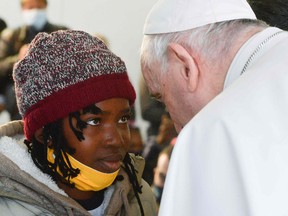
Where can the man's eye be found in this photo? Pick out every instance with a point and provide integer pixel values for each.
(93, 122)
(157, 97)
(124, 119)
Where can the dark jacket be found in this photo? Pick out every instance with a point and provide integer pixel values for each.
(12, 40)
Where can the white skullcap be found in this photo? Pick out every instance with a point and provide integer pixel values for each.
(168, 16)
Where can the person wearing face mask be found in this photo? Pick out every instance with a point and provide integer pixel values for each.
(160, 172)
(13, 43)
(76, 100)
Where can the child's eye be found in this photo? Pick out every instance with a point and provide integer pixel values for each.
(93, 122)
(124, 119)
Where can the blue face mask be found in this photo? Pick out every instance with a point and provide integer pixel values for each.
(35, 17)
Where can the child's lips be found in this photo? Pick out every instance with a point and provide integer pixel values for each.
(112, 166)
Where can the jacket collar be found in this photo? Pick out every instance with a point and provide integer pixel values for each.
(254, 48)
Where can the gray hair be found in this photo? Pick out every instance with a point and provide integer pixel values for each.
(211, 41)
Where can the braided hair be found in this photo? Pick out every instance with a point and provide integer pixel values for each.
(53, 137)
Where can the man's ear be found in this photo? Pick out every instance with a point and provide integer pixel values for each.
(190, 70)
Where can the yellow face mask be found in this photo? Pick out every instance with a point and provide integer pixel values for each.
(88, 179)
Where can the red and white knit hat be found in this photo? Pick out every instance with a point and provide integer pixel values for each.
(63, 72)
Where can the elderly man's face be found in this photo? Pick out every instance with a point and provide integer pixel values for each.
(184, 87)
(168, 88)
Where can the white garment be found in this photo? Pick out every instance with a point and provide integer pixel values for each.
(231, 159)
(107, 197)
(4, 117)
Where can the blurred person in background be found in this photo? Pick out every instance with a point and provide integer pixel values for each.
(3, 25)
(4, 114)
(14, 42)
(273, 12)
(136, 142)
(160, 172)
(151, 110)
(156, 144)
(103, 38)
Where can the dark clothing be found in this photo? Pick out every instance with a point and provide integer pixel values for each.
(3, 25)
(150, 154)
(12, 40)
(151, 109)
(10, 43)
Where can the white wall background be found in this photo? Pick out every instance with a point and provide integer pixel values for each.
(121, 21)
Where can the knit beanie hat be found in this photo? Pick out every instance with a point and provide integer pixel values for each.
(64, 72)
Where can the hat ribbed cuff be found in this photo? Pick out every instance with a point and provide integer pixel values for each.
(76, 97)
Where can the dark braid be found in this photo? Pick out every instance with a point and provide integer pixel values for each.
(53, 133)
(79, 124)
(130, 170)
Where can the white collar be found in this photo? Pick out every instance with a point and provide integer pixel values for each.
(250, 51)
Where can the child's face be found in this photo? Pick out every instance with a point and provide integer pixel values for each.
(106, 136)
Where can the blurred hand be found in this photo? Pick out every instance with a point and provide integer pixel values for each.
(23, 51)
